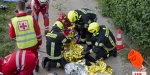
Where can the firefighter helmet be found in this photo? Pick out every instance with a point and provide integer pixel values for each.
(94, 27)
(59, 25)
(73, 16)
(43, 1)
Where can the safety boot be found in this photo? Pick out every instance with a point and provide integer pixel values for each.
(48, 65)
(44, 60)
(115, 52)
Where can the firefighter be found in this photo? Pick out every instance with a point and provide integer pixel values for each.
(42, 6)
(63, 18)
(66, 23)
(54, 45)
(25, 29)
(21, 62)
(104, 41)
(82, 18)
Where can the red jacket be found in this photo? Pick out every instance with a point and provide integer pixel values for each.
(37, 5)
(20, 62)
(36, 28)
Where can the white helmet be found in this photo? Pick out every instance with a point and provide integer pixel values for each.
(43, 1)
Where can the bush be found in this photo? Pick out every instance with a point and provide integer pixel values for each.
(133, 17)
(7, 45)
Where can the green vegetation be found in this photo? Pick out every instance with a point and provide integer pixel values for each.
(7, 45)
(133, 17)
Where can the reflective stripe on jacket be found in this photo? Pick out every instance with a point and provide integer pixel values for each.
(24, 30)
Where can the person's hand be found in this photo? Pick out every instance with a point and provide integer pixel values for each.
(83, 53)
(36, 17)
(46, 15)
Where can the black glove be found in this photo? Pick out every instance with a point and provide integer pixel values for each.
(83, 53)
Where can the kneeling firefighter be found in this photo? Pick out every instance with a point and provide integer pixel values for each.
(104, 44)
(54, 45)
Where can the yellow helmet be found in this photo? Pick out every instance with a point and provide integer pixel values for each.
(59, 25)
(94, 27)
(73, 16)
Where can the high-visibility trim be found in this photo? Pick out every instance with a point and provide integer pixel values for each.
(25, 34)
(52, 57)
(58, 64)
(91, 51)
(83, 39)
(88, 43)
(40, 39)
(64, 40)
(21, 41)
(17, 60)
(98, 44)
(23, 59)
(25, 37)
(52, 48)
(38, 36)
(46, 27)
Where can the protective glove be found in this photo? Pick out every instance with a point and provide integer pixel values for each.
(76, 35)
(46, 15)
(55, 73)
(36, 17)
(83, 53)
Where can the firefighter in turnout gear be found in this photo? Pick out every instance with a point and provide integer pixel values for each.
(21, 62)
(54, 45)
(82, 18)
(25, 29)
(104, 41)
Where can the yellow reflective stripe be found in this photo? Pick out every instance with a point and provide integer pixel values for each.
(52, 57)
(107, 31)
(111, 41)
(88, 43)
(108, 49)
(95, 34)
(52, 48)
(82, 39)
(91, 51)
(82, 10)
(98, 44)
(58, 64)
(64, 40)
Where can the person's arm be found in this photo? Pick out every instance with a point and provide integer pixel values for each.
(47, 9)
(33, 7)
(11, 30)
(65, 39)
(37, 31)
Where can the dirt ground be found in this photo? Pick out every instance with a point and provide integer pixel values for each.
(56, 6)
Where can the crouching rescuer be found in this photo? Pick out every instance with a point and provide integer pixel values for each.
(54, 45)
(104, 44)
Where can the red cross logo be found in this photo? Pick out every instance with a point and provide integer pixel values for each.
(23, 25)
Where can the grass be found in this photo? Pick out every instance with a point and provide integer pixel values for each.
(7, 45)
